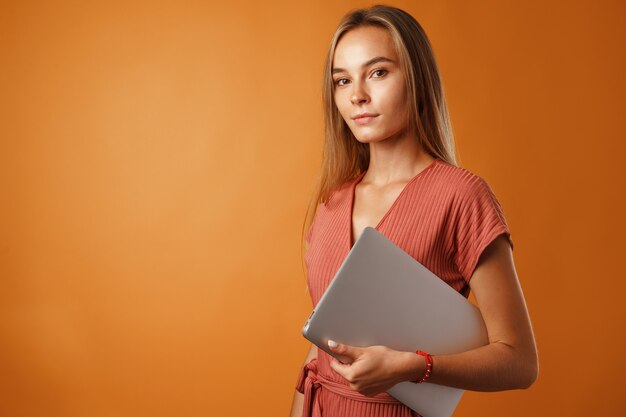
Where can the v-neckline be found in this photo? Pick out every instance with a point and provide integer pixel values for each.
(352, 192)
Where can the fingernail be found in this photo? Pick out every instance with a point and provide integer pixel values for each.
(332, 343)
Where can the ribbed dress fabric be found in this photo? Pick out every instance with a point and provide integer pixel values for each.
(444, 217)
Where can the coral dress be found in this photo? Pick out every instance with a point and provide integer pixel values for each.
(444, 218)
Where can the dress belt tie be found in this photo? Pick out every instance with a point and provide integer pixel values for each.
(309, 381)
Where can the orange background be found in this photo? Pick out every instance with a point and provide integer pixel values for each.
(155, 163)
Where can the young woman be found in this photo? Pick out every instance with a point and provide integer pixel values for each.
(389, 163)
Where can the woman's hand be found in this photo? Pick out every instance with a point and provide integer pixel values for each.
(375, 369)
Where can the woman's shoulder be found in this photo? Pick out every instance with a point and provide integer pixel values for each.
(473, 197)
(337, 203)
(341, 192)
(459, 179)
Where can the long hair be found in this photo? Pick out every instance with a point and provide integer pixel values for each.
(343, 156)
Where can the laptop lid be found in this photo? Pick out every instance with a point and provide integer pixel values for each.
(381, 295)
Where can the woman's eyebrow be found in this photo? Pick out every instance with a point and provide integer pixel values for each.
(374, 60)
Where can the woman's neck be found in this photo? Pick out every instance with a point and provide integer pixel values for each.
(396, 160)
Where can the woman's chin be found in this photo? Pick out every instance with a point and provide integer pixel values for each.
(368, 139)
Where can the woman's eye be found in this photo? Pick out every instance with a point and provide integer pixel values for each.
(380, 70)
(338, 82)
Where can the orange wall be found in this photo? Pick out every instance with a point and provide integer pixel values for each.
(155, 164)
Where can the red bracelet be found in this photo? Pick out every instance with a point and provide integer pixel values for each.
(429, 366)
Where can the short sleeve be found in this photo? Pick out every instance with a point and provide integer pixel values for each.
(480, 221)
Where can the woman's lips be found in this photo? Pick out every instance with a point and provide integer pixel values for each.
(364, 120)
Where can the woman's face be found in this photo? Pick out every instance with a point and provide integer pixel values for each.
(368, 79)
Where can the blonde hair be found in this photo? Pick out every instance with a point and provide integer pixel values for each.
(343, 156)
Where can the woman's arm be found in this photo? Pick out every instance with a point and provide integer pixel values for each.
(509, 361)
(298, 397)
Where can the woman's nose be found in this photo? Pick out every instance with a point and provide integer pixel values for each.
(359, 95)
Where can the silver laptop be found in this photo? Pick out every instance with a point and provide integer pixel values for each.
(382, 296)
